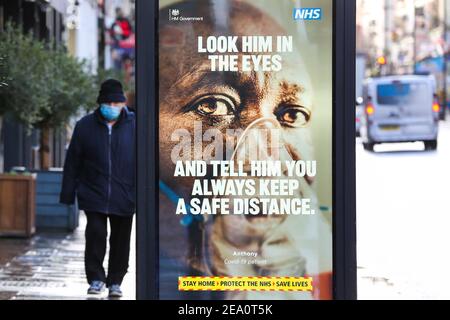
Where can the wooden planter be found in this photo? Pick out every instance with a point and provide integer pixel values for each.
(17, 205)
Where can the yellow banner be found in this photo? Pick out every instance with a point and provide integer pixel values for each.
(244, 284)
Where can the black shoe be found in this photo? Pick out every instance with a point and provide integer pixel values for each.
(115, 291)
(97, 287)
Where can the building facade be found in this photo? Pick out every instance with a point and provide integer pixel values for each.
(406, 36)
(403, 31)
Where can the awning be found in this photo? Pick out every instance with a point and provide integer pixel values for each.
(60, 5)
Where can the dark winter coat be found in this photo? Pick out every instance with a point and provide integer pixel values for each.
(100, 165)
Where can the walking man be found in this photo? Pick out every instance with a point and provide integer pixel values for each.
(100, 171)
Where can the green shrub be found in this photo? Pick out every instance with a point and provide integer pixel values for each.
(26, 63)
(45, 85)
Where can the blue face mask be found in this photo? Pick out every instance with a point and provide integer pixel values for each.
(110, 113)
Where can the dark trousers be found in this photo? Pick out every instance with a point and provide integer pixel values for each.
(119, 247)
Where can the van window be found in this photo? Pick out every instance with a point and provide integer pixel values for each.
(404, 94)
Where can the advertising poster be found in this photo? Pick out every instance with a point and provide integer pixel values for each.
(245, 149)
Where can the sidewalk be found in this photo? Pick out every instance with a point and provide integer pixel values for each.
(50, 266)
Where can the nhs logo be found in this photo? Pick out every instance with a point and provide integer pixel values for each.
(307, 14)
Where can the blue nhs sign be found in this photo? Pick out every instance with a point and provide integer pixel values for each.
(307, 14)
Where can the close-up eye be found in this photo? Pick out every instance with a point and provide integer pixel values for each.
(293, 116)
(213, 105)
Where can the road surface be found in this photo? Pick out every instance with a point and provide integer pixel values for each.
(403, 221)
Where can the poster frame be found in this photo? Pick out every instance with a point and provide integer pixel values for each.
(344, 186)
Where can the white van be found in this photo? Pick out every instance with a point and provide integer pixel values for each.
(400, 109)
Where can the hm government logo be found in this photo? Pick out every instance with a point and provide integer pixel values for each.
(175, 15)
(312, 14)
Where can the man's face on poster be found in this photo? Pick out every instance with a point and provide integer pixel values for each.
(191, 93)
